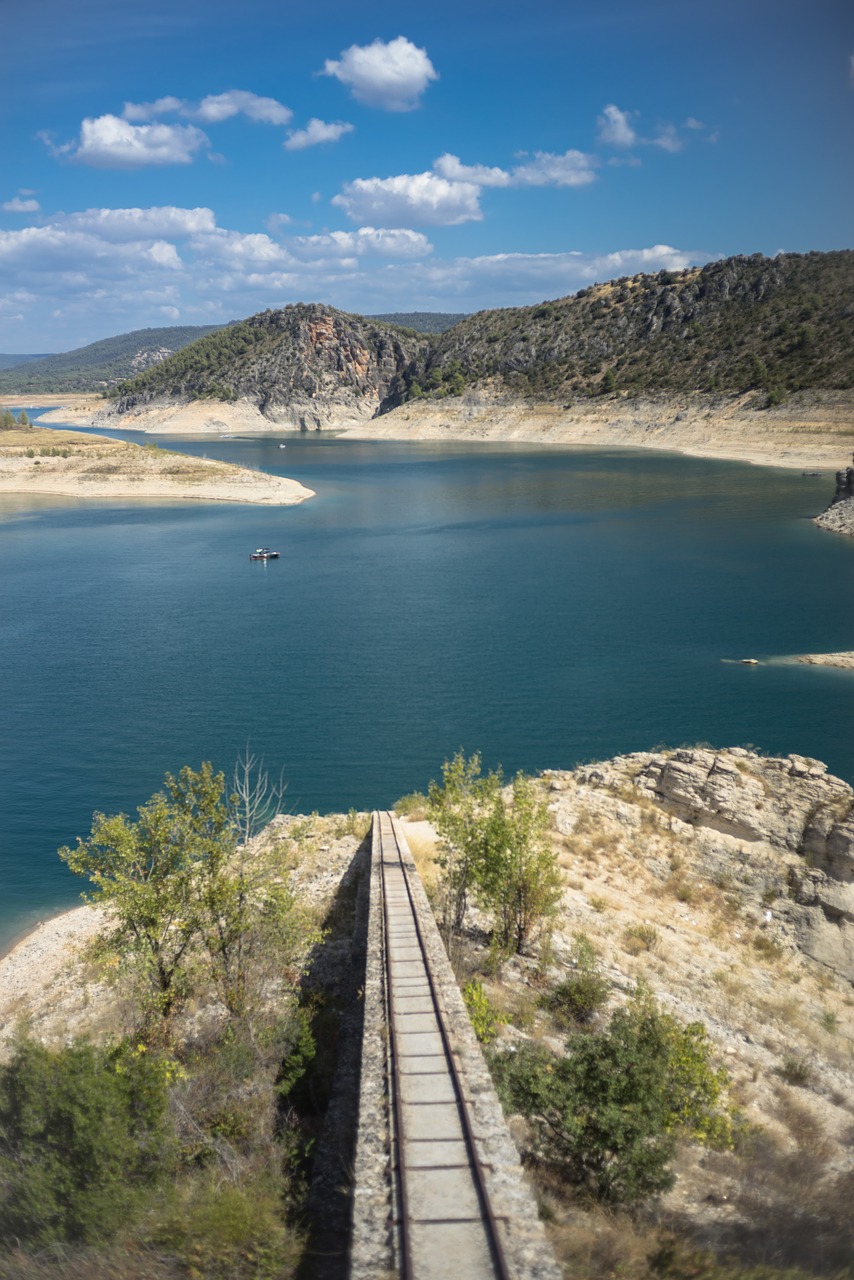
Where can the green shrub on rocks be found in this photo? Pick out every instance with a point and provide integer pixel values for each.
(83, 1133)
(609, 1114)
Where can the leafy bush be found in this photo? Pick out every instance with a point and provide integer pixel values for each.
(608, 1115)
(82, 1133)
(583, 992)
(485, 1018)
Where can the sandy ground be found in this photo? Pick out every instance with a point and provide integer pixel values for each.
(101, 468)
(811, 434)
(42, 974)
(812, 431)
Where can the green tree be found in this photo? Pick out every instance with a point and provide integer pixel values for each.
(183, 892)
(518, 878)
(494, 849)
(83, 1132)
(460, 810)
(610, 1113)
(152, 876)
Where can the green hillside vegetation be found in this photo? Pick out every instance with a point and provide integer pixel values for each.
(12, 361)
(423, 321)
(101, 364)
(773, 325)
(269, 358)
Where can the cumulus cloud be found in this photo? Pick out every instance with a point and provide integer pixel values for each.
(125, 225)
(410, 199)
(451, 167)
(546, 169)
(397, 242)
(17, 205)
(213, 109)
(108, 142)
(572, 169)
(316, 131)
(615, 128)
(390, 75)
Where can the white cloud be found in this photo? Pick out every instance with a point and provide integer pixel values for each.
(237, 249)
(107, 142)
(410, 199)
(667, 138)
(451, 167)
(213, 109)
(571, 169)
(17, 205)
(124, 225)
(276, 221)
(615, 128)
(139, 112)
(222, 106)
(396, 242)
(392, 76)
(316, 131)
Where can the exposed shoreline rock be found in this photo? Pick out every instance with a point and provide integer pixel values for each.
(843, 660)
(839, 516)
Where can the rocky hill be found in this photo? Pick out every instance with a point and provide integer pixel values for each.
(763, 326)
(771, 325)
(307, 365)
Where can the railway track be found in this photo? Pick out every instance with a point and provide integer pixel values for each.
(444, 1221)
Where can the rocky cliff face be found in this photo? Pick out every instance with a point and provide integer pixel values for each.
(308, 366)
(779, 832)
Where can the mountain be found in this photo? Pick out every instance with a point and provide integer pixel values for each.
(746, 324)
(423, 321)
(101, 364)
(306, 365)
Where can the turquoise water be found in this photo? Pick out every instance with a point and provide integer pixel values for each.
(544, 607)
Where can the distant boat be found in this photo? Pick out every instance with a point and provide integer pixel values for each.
(283, 446)
(263, 553)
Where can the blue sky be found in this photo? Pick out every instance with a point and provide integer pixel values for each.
(196, 161)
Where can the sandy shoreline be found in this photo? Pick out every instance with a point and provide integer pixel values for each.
(37, 973)
(69, 464)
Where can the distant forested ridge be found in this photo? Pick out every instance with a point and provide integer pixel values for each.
(100, 365)
(12, 361)
(423, 321)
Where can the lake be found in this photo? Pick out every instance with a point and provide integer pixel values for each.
(542, 606)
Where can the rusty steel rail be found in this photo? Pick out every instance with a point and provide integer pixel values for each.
(444, 1220)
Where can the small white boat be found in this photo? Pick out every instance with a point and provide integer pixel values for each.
(263, 553)
(283, 446)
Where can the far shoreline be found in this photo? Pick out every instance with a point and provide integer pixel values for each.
(814, 431)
